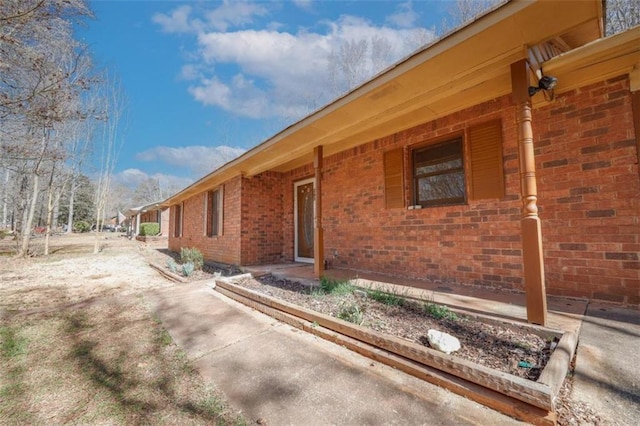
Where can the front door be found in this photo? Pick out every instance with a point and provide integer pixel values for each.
(304, 211)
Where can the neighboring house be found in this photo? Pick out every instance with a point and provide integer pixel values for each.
(448, 167)
(149, 213)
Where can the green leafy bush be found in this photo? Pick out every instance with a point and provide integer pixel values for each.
(192, 255)
(81, 226)
(3, 234)
(187, 269)
(149, 229)
(173, 267)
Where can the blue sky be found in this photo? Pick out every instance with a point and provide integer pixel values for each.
(207, 80)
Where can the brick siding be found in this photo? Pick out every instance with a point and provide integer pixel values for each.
(589, 199)
(262, 225)
(224, 248)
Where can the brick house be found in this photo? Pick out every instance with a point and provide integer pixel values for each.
(448, 165)
(150, 213)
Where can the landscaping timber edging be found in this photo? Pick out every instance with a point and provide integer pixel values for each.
(538, 394)
(492, 399)
(167, 274)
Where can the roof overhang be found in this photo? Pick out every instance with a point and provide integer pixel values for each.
(143, 209)
(465, 68)
(599, 60)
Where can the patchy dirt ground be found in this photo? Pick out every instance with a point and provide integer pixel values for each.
(79, 346)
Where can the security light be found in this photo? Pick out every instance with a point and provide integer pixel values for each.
(545, 83)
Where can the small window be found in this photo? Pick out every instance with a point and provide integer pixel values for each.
(214, 213)
(177, 229)
(438, 174)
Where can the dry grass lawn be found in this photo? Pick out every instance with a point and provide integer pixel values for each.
(79, 346)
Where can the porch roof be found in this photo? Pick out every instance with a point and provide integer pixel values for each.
(142, 209)
(466, 67)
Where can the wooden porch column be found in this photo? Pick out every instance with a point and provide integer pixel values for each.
(137, 225)
(318, 237)
(531, 227)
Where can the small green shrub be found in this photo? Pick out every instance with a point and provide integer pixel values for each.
(149, 229)
(192, 255)
(81, 226)
(187, 269)
(389, 299)
(172, 265)
(338, 288)
(3, 233)
(439, 311)
(351, 312)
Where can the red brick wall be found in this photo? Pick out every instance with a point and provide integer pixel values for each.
(224, 248)
(476, 244)
(590, 193)
(588, 197)
(262, 223)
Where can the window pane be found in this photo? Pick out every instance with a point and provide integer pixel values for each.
(443, 188)
(215, 212)
(447, 164)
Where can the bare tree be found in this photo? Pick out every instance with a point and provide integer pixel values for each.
(463, 11)
(40, 76)
(109, 142)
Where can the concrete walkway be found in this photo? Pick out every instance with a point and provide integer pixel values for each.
(607, 373)
(282, 376)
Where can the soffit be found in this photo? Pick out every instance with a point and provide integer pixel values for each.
(596, 61)
(467, 67)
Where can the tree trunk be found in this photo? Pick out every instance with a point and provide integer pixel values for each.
(72, 197)
(28, 222)
(49, 219)
(4, 198)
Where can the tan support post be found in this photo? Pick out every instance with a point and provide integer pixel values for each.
(318, 240)
(531, 227)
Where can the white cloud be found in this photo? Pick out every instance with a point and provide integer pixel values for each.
(132, 178)
(303, 4)
(190, 72)
(271, 73)
(229, 14)
(405, 17)
(198, 160)
(234, 13)
(177, 21)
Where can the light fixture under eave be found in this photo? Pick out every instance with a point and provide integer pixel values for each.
(545, 83)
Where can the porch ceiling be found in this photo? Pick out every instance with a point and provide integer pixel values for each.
(469, 66)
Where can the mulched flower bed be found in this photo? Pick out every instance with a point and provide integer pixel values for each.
(499, 347)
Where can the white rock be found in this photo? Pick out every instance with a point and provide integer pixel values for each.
(442, 341)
